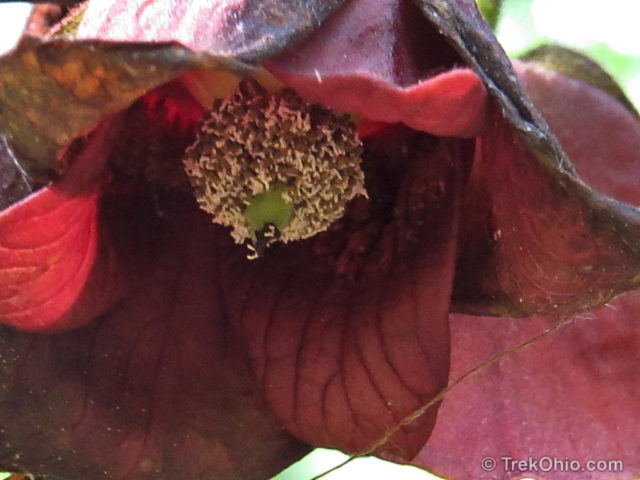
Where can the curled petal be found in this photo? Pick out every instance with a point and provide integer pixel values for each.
(537, 239)
(391, 70)
(575, 394)
(48, 249)
(54, 91)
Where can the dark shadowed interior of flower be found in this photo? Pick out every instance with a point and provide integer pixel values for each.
(161, 351)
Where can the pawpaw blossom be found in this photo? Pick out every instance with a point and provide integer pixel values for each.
(140, 342)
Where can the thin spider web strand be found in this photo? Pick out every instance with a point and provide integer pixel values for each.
(413, 416)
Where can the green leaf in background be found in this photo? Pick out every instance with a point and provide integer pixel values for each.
(491, 10)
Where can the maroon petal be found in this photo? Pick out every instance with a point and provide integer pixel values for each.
(536, 239)
(156, 388)
(382, 69)
(159, 386)
(391, 67)
(334, 370)
(574, 395)
(345, 343)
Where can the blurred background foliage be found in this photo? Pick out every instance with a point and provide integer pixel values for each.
(607, 31)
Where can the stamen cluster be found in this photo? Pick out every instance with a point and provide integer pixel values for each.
(255, 142)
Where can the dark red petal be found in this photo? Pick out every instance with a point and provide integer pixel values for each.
(343, 355)
(391, 67)
(576, 394)
(535, 238)
(158, 388)
(48, 245)
(243, 29)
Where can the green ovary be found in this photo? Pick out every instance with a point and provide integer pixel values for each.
(268, 208)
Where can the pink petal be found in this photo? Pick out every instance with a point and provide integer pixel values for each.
(574, 395)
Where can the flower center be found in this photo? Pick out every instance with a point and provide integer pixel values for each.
(274, 167)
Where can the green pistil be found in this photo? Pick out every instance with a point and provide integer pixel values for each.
(268, 208)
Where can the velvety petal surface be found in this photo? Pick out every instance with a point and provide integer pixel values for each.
(347, 332)
(395, 68)
(156, 388)
(575, 394)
